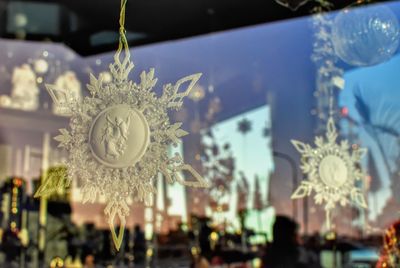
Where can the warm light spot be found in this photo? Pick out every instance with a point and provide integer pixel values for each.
(331, 236)
(195, 251)
(18, 182)
(57, 262)
(344, 111)
(214, 236)
(257, 262)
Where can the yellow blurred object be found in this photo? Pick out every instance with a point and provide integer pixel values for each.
(195, 251)
(330, 236)
(24, 237)
(390, 255)
(56, 182)
(214, 236)
(214, 240)
(56, 262)
(257, 263)
(149, 252)
(69, 263)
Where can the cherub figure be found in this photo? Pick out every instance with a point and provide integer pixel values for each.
(115, 136)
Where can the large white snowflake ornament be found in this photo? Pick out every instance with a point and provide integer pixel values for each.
(119, 138)
(332, 171)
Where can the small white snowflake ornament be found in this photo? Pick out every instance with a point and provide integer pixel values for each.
(332, 172)
(119, 138)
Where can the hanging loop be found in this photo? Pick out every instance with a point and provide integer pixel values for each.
(121, 67)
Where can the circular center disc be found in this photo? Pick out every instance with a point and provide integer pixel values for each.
(119, 136)
(333, 171)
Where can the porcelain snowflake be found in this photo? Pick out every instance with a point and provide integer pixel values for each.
(332, 171)
(119, 138)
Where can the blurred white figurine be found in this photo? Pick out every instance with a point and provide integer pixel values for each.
(68, 89)
(24, 93)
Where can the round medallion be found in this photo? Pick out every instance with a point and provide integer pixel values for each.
(119, 136)
(333, 171)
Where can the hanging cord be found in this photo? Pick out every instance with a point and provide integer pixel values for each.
(123, 67)
(123, 42)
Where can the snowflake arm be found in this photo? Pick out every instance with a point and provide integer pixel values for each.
(172, 96)
(55, 181)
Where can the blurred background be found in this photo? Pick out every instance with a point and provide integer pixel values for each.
(266, 68)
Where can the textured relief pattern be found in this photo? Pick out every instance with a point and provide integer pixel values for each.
(115, 136)
(332, 171)
(119, 137)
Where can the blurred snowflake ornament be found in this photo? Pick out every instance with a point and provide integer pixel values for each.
(119, 137)
(218, 167)
(332, 171)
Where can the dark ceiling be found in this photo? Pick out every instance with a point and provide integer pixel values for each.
(89, 26)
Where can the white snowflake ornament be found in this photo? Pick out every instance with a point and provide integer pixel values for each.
(332, 172)
(119, 137)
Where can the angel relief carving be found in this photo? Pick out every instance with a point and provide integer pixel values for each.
(115, 136)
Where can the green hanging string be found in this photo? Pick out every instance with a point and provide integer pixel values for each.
(123, 42)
